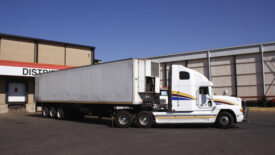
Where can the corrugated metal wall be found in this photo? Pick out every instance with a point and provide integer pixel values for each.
(237, 70)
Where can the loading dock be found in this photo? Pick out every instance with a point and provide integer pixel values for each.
(21, 58)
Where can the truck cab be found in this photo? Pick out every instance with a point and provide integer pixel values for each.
(191, 100)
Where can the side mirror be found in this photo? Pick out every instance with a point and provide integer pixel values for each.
(210, 104)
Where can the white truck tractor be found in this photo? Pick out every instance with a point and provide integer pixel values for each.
(129, 91)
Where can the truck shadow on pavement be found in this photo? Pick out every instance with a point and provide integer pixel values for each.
(86, 119)
(109, 123)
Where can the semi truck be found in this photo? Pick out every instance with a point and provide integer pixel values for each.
(129, 91)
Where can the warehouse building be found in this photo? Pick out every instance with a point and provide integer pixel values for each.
(21, 58)
(246, 71)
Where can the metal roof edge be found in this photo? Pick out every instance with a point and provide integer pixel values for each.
(217, 49)
(44, 40)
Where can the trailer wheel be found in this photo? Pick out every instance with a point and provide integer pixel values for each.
(60, 114)
(45, 112)
(52, 112)
(123, 119)
(224, 120)
(145, 119)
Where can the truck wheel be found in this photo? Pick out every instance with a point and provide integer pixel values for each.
(145, 119)
(60, 113)
(52, 112)
(45, 112)
(124, 119)
(224, 120)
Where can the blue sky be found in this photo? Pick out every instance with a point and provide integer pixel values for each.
(143, 28)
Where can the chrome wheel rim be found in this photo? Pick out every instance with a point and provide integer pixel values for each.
(58, 114)
(224, 120)
(144, 120)
(44, 113)
(123, 120)
(51, 113)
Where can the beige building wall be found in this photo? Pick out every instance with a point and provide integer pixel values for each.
(223, 75)
(3, 105)
(2, 90)
(17, 50)
(248, 71)
(239, 70)
(51, 54)
(200, 65)
(269, 67)
(78, 56)
(30, 106)
(249, 75)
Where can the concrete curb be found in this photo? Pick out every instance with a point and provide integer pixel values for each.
(262, 109)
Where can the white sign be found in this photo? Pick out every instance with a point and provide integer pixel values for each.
(23, 71)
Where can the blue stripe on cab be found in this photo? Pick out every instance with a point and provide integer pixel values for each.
(176, 98)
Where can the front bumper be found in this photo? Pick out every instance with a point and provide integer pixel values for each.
(245, 114)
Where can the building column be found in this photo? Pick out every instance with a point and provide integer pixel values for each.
(31, 106)
(3, 105)
(263, 71)
(235, 75)
(209, 65)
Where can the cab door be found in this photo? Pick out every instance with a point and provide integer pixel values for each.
(204, 99)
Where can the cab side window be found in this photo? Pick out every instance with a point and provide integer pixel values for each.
(204, 90)
(184, 75)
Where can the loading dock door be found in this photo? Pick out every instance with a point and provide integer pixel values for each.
(17, 92)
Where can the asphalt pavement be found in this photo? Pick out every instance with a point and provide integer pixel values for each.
(22, 133)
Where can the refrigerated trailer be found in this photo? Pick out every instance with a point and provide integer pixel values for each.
(129, 90)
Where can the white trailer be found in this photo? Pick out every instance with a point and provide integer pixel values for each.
(130, 91)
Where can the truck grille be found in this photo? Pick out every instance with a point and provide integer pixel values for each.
(162, 101)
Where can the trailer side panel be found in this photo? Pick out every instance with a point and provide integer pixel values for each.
(102, 83)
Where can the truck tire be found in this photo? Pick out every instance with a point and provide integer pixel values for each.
(60, 114)
(123, 119)
(225, 120)
(52, 112)
(145, 119)
(45, 112)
